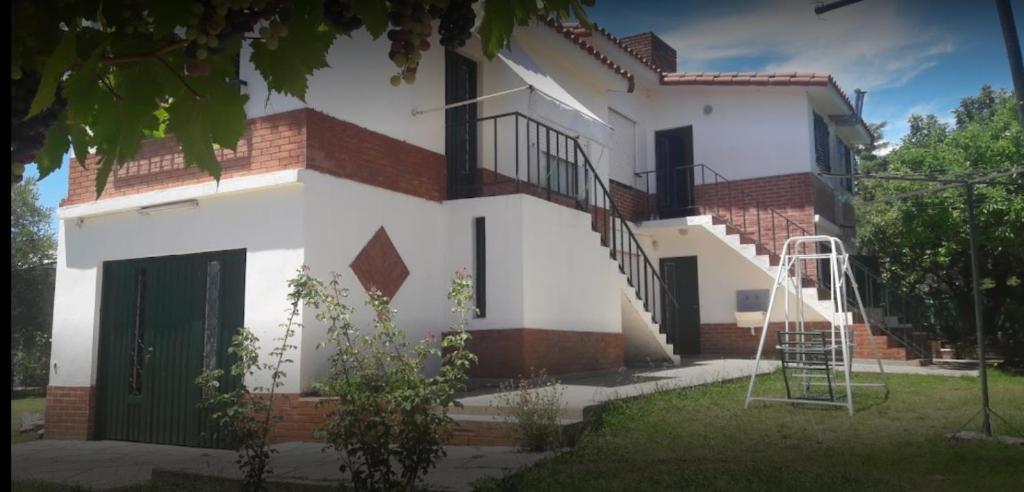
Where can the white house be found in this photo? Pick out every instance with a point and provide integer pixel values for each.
(612, 211)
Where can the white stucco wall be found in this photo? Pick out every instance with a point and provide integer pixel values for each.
(568, 276)
(751, 131)
(355, 88)
(340, 216)
(546, 268)
(261, 221)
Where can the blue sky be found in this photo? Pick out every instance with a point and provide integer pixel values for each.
(912, 56)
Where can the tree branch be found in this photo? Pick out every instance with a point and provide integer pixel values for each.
(119, 60)
(106, 83)
(178, 76)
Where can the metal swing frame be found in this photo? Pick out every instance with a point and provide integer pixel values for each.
(829, 352)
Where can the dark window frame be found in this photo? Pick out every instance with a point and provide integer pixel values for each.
(480, 266)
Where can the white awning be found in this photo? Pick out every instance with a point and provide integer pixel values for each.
(549, 100)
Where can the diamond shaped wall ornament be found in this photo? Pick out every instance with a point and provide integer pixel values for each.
(379, 266)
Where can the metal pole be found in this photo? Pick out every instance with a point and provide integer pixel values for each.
(986, 424)
(1013, 53)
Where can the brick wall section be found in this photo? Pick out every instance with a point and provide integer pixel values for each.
(649, 45)
(737, 203)
(633, 204)
(731, 340)
(70, 412)
(302, 138)
(348, 151)
(790, 195)
(517, 351)
(271, 143)
(301, 418)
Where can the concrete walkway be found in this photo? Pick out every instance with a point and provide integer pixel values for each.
(583, 393)
(111, 464)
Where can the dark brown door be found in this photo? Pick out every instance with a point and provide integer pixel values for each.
(674, 172)
(682, 321)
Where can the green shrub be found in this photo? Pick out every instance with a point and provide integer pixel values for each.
(535, 404)
(388, 421)
(244, 416)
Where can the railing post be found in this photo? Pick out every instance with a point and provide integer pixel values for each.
(775, 240)
(758, 205)
(495, 178)
(547, 160)
(517, 151)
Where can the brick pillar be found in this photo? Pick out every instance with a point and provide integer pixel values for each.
(70, 412)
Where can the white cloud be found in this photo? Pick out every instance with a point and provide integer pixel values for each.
(870, 45)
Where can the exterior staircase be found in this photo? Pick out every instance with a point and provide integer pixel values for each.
(759, 232)
(890, 345)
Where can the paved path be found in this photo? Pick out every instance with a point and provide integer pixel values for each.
(581, 393)
(111, 464)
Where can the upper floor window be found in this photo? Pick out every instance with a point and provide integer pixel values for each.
(822, 154)
(845, 165)
(558, 174)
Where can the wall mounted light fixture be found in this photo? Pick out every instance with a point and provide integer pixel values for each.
(163, 207)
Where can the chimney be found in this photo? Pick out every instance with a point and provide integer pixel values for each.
(859, 104)
(648, 45)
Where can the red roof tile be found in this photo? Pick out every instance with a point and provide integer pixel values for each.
(569, 34)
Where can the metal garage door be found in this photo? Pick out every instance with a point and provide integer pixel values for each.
(162, 320)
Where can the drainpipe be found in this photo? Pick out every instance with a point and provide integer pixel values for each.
(858, 104)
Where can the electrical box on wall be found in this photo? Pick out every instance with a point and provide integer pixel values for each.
(751, 308)
(752, 300)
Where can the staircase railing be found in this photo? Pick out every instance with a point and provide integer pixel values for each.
(747, 215)
(513, 153)
(729, 202)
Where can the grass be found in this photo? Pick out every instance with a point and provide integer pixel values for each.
(703, 439)
(32, 486)
(35, 404)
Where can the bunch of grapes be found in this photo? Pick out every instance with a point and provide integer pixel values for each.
(213, 24)
(411, 27)
(339, 15)
(28, 135)
(457, 22)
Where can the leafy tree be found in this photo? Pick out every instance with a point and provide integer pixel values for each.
(32, 253)
(104, 74)
(922, 241)
(869, 156)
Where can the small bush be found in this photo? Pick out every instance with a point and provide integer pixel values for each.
(387, 421)
(535, 405)
(244, 415)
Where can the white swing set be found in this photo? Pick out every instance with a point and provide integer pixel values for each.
(816, 365)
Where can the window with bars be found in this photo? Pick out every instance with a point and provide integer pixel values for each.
(557, 173)
(822, 155)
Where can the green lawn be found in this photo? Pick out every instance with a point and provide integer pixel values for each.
(703, 439)
(19, 406)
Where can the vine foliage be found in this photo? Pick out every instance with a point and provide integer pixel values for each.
(102, 75)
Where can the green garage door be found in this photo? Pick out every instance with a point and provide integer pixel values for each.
(162, 320)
